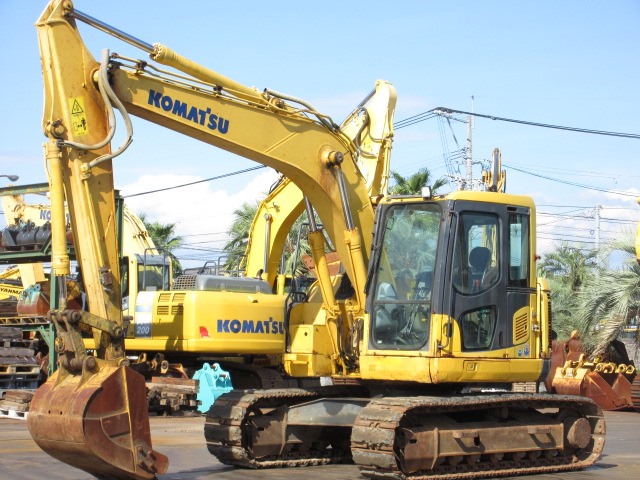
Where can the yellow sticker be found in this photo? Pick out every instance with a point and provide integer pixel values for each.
(79, 124)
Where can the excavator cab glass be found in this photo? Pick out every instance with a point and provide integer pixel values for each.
(404, 276)
(475, 263)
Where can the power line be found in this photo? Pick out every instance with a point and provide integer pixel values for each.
(617, 220)
(577, 172)
(557, 239)
(537, 124)
(584, 206)
(196, 182)
(421, 117)
(204, 242)
(204, 234)
(574, 184)
(576, 209)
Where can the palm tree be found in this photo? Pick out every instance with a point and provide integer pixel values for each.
(563, 306)
(413, 184)
(567, 269)
(164, 238)
(572, 265)
(239, 235)
(609, 300)
(303, 247)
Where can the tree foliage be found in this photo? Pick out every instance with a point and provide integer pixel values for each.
(238, 234)
(566, 268)
(413, 184)
(610, 299)
(573, 266)
(164, 238)
(597, 301)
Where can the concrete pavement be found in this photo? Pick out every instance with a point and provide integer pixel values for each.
(182, 439)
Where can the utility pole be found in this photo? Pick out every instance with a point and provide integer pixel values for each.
(469, 182)
(597, 216)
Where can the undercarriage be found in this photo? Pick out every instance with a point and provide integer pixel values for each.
(406, 437)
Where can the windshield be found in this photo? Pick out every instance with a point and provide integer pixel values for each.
(153, 277)
(404, 276)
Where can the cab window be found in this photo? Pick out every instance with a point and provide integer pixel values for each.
(404, 277)
(519, 250)
(477, 253)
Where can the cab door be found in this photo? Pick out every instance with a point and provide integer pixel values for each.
(489, 274)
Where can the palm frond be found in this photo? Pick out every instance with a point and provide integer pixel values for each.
(609, 300)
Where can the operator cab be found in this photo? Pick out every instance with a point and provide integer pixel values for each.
(142, 273)
(468, 262)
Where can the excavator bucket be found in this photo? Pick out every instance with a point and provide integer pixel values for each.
(611, 391)
(608, 385)
(34, 300)
(97, 422)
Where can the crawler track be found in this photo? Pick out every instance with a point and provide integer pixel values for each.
(233, 430)
(411, 438)
(404, 438)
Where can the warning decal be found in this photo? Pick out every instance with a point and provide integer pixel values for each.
(79, 125)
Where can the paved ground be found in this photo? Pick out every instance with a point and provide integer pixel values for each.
(183, 441)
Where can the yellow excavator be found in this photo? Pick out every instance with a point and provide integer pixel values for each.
(166, 329)
(10, 285)
(437, 295)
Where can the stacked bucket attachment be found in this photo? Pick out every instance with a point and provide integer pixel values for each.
(607, 384)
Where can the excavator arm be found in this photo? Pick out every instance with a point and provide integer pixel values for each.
(92, 412)
(270, 227)
(370, 128)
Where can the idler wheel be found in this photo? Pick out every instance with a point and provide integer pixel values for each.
(577, 432)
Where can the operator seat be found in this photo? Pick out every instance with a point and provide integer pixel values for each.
(479, 259)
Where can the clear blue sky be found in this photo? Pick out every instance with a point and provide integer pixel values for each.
(572, 63)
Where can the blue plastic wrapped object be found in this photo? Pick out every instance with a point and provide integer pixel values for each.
(213, 381)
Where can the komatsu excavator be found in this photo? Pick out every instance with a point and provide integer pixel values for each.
(168, 325)
(438, 295)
